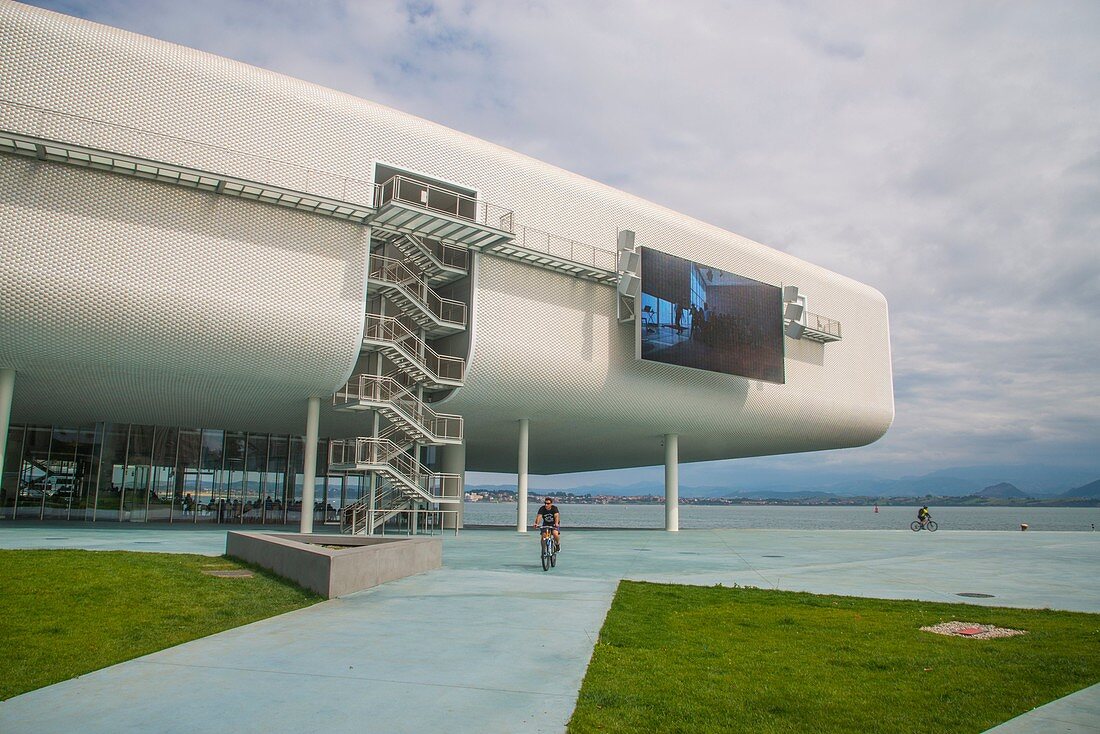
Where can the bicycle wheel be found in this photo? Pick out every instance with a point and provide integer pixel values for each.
(554, 558)
(914, 526)
(545, 556)
(932, 526)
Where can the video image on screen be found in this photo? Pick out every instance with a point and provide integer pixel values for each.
(699, 316)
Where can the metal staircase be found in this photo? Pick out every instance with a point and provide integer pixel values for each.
(415, 299)
(440, 263)
(410, 354)
(400, 407)
(406, 267)
(391, 460)
(360, 517)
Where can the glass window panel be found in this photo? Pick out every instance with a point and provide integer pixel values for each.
(137, 477)
(9, 482)
(162, 480)
(187, 474)
(60, 480)
(87, 469)
(33, 473)
(294, 482)
(108, 489)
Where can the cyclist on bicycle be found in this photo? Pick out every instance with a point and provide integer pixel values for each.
(923, 515)
(549, 517)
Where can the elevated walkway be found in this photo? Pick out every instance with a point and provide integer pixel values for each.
(318, 192)
(415, 208)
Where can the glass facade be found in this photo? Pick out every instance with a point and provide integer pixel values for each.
(111, 472)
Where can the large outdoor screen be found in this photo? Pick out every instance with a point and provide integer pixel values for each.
(695, 315)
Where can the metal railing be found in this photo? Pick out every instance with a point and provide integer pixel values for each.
(429, 486)
(822, 324)
(447, 255)
(380, 389)
(563, 248)
(408, 191)
(390, 329)
(354, 518)
(359, 516)
(389, 270)
(132, 141)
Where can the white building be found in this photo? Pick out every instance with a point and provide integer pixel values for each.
(192, 241)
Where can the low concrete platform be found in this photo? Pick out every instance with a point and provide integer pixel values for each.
(336, 565)
(491, 643)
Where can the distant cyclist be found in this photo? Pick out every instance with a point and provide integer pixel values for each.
(923, 515)
(549, 517)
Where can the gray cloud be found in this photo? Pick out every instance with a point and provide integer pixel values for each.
(946, 154)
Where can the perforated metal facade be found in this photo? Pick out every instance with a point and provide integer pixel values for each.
(130, 300)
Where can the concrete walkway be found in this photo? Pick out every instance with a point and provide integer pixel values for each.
(491, 643)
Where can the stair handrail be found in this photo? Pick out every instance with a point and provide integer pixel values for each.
(357, 515)
(394, 271)
(390, 329)
(446, 254)
(363, 450)
(385, 389)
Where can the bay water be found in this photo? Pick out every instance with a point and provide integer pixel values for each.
(793, 517)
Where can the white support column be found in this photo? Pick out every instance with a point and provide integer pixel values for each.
(521, 486)
(452, 460)
(309, 463)
(7, 393)
(672, 482)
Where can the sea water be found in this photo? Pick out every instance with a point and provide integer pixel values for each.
(788, 517)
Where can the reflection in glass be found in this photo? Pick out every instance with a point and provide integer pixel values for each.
(9, 482)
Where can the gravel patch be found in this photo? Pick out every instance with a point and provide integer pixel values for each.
(973, 630)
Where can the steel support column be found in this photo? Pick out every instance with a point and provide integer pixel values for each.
(521, 484)
(672, 482)
(7, 393)
(309, 463)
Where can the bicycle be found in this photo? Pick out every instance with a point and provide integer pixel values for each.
(549, 548)
(930, 525)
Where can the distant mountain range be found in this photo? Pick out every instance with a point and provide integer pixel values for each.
(1004, 490)
(936, 484)
(1090, 491)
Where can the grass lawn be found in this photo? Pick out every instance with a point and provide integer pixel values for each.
(64, 613)
(713, 659)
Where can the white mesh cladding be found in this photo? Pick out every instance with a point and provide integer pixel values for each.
(213, 113)
(548, 347)
(131, 300)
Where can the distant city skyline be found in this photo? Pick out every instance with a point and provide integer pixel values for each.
(947, 155)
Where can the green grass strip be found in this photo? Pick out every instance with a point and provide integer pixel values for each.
(64, 613)
(712, 659)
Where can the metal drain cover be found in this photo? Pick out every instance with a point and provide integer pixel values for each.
(773, 556)
(974, 595)
(55, 539)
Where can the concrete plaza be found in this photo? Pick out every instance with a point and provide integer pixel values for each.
(491, 643)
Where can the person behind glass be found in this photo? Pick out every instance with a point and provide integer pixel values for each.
(549, 517)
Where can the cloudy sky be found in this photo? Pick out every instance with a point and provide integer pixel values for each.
(946, 153)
